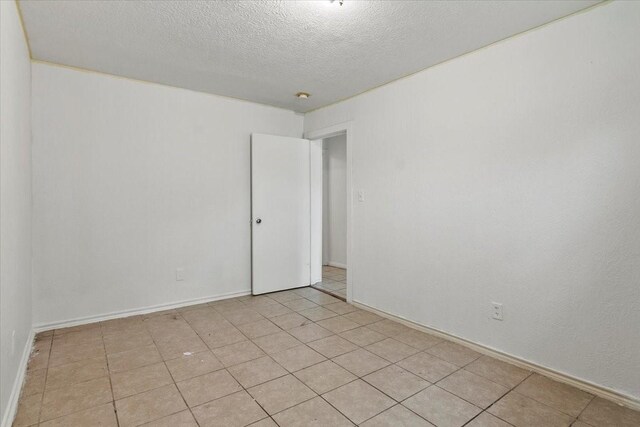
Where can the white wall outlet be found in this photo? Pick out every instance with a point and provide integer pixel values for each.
(179, 274)
(361, 195)
(497, 311)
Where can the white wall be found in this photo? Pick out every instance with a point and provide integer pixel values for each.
(511, 174)
(335, 201)
(132, 180)
(15, 201)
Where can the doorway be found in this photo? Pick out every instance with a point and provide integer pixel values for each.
(334, 216)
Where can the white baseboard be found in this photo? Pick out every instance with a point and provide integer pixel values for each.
(595, 389)
(133, 312)
(14, 397)
(337, 264)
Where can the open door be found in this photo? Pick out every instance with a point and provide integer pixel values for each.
(280, 213)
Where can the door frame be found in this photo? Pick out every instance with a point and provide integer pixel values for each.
(320, 134)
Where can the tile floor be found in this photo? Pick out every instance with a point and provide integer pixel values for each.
(293, 358)
(334, 281)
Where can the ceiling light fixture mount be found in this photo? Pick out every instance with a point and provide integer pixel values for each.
(302, 95)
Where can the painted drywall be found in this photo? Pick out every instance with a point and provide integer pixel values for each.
(133, 180)
(334, 202)
(15, 204)
(511, 174)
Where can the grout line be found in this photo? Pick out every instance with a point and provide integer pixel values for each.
(175, 383)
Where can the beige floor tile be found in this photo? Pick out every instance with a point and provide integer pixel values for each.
(497, 371)
(418, 339)
(193, 365)
(297, 358)
(360, 362)
(363, 317)
(341, 307)
(323, 299)
(237, 353)
(241, 317)
(267, 422)
(132, 359)
(78, 328)
(325, 376)
(427, 366)
(89, 336)
(398, 416)
(576, 424)
(126, 324)
(363, 336)
(282, 393)
(522, 411)
(182, 333)
(300, 304)
(392, 350)
(276, 342)
(311, 332)
(181, 419)
(290, 321)
(284, 296)
(236, 410)
(358, 401)
(602, 413)
(76, 372)
(441, 408)
(63, 401)
(139, 380)
(177, 348)
(332, 346)
(395, 382)
(69, 354)
(28, 410)
(34, 382)
(102, 416)
(257, 371)
(473, 388)
(39, 358)
(453, 353)
(117, 343)
(149, 406)
(315, 412)
(338, 324)
(559, 396)
(389, 328)
(205, 388)
(274, 310)
(259, 329)
(485, 419)
(317, 314)
(215, 338)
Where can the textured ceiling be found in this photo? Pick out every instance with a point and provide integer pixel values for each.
(266, 51)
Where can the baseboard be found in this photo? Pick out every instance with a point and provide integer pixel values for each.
(595, 389)
(133, 312)
(14, 397)
(337, 264)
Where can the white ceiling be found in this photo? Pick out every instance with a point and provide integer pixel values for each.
(266, 51)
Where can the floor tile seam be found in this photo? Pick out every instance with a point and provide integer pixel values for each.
(112, 401)
(175, 384)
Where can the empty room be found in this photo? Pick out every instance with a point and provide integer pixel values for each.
(320, 213)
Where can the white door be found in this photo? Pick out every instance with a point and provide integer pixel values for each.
(280, 213)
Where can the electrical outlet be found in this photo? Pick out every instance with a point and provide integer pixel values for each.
(361, 195)
(179, 274)
(497, 311)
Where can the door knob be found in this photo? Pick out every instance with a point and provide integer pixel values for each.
(258, 221)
